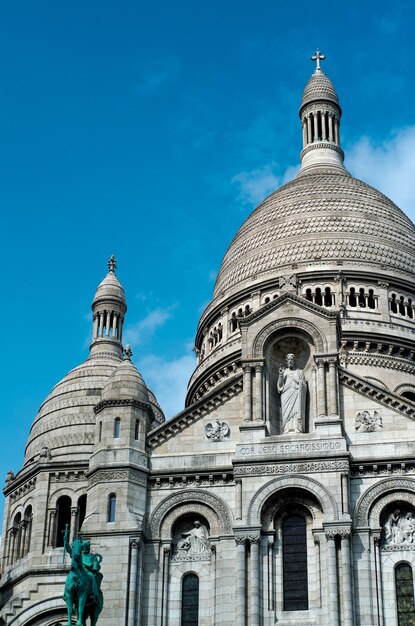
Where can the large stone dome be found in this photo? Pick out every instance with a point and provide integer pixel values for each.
(324, 217)
(65, 421)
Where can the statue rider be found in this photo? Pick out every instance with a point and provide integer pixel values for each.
(90, 563)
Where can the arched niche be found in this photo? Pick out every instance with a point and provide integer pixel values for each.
(302, 344)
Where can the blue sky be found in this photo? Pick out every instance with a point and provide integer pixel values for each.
(150, 131)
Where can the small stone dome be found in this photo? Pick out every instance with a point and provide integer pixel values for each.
(319, 87)
(126, 382)
(110, 287)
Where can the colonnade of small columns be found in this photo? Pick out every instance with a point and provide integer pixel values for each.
(401, 305)
(107, 324)
(320, 126)
(338, 556)
(18, 541)
(327, 383)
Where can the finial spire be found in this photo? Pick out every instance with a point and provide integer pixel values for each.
(128, 353)
(318, 57)
(112, 264)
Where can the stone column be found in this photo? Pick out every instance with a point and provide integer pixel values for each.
(225, 324)
(336, 132)
(12, 544)
(331, 135)
(95, 330)
(248, 393)
(132, 604)
(23, 531)
(51, 530)
(324, 126)
(165, 600)
(347, 587)
(240, 581)
(304, 134)
(258, 393)
(315, 131)
(107, 323)
(376, 542)
(332, 585)
(321, 394)
(238, 488)
(333, 409)
(114, 325)
(254, 540)
(74, 512)
(101, 323)
(309, 131)
(345, 493)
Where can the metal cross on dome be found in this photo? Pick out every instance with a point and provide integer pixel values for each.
(318, 57)
(112, 264)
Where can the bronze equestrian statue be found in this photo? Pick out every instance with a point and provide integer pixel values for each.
(83, 593)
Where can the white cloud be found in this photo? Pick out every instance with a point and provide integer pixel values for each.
(168, 379)
(257, 184)
(157, 73)
(140, 332)
(389, 166)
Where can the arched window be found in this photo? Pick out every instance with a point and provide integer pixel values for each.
(409, 395)
(117, 428)
(404, 594)
(371, 300)
(112, 504)
(362, 299)
(394, 306)
(100, 432)
(27, 530)
(319, 297)
(63, 517)
(137, 429)
(14, 538)
(81, 512)
(352, 296)
(295, 580)
(190, 600)
(309, 295)
(328, 298)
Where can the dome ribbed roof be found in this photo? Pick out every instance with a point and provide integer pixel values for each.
(320, 218)
(66, 420)
(319, 87)
(110, 287)
(125, 383)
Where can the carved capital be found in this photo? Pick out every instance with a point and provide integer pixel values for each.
(254, 539)
(240, 540)
(330, 535)
(135, 543)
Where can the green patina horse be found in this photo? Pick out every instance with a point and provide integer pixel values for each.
(82, 586)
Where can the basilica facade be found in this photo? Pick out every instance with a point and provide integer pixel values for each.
(284, 492)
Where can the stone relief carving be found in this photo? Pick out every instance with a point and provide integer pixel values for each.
(368, 422)
(217, 431)
(193, 498)
(399, 529)
(292, 388)
(366, 501)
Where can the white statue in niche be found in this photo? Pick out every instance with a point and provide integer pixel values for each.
(292, 387)
(195, 540)
(399, 528)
